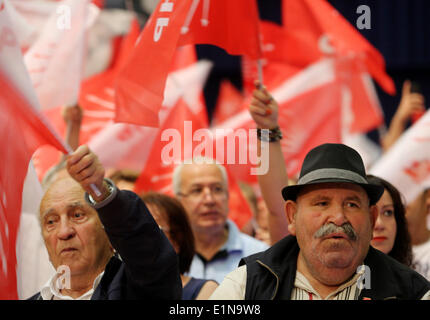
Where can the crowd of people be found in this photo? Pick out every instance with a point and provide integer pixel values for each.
(313, 238)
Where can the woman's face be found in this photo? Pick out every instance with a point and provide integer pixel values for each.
(384, 232)
(162, 222)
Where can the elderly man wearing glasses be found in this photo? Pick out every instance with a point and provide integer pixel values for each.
(202, 188)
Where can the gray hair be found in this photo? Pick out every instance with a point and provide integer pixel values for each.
(50, 175)
(176, 179)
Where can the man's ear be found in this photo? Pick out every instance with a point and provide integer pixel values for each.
(290, 212)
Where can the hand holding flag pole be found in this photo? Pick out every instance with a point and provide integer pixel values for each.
(73, 117)
(84, 166)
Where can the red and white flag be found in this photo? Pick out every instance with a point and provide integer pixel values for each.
(174, 143)
(96, 97)
(22, 131)
(309, 114)
(56, 60)
(183, 136)
(307, 37)
(407, 163)
(119, 145)
(318, 23)
(97, 92)
(231, 25)
(29, 18)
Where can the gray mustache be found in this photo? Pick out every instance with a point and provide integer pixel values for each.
(330, 228)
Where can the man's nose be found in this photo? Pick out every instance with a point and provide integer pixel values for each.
(66, 230)
(337, 215)
(208, 195)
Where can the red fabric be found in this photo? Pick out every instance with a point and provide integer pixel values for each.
(99, 3)
(306, 23)
(22, 131)
(229, 103)
(281, 44)
(239, 209)
(157, 176)
(96, 98)
(307, 118)
(312, 19)
(233, 25)
(97, 92)
(366, 113)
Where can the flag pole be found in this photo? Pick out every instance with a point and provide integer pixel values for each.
(260, 71)
(70, 151)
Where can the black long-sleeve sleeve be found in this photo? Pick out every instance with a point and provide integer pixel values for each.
(151, 264)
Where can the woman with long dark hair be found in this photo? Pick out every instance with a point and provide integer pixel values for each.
(390, 234)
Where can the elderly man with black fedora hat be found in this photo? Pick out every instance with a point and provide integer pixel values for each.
(327, 255)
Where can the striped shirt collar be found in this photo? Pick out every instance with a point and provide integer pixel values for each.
(303, 290)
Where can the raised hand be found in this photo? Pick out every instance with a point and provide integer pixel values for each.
(263, 108)
(84, 166)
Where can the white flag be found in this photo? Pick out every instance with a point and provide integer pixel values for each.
(56, 60)
(407, 163)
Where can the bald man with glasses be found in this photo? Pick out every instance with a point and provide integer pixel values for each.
(202, 188)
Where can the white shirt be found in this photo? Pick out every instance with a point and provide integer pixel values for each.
(421, 259)
(237, 246)
(50, 290)
(234, 286)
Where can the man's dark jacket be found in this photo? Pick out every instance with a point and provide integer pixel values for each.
(271, 275)
(148, 268)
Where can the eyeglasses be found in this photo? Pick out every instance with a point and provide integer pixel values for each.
(198, 192)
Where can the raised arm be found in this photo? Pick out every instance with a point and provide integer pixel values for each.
(411, 103)
(151, 264)
(264, 111)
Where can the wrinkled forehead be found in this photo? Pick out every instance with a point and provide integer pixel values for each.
(201, 174)
(332, 189)
(62, 192)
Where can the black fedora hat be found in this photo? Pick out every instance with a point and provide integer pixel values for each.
(333, 162)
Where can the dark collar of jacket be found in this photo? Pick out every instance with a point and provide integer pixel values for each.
(271, 275)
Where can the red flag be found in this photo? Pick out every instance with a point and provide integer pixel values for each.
(97, 96)
(317, 22)
(306, 39)
(180, 125)
(22, 131)
(232, 25)
(363, 110)
(181, 128)
(281, 44)
(239, 209)
(99, 3)
(230, 102)
(309, 114)
(185, 83)
(96, 99)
